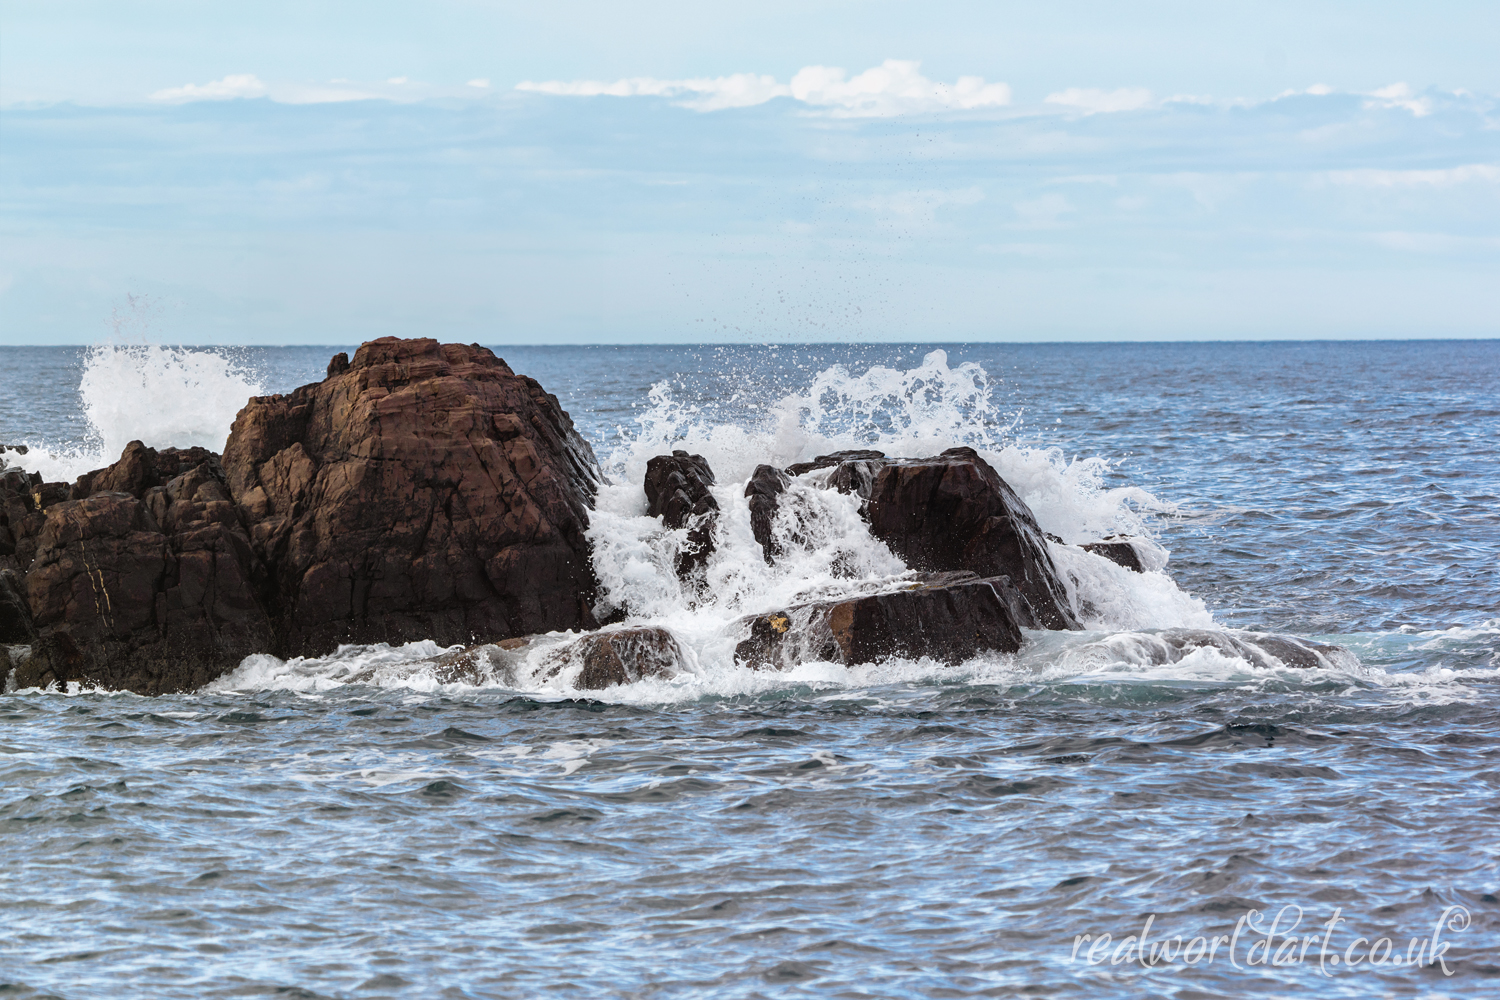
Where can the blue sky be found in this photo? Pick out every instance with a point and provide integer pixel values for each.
(587, 173)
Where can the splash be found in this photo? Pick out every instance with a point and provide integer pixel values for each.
(163, 396)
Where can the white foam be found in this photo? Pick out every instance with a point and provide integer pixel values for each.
(166, 397)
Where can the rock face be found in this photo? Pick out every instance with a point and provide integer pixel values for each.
(148, 585)
(954, 512)
(950, 618)
(424, 491)
(677, 491)
(619, 657)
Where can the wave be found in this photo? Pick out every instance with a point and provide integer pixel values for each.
(163, 396)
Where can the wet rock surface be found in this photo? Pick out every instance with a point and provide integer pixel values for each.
(950, 617)
(677, 491)
(424, 491)
(954, 512)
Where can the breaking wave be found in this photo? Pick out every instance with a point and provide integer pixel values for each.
(164, 396)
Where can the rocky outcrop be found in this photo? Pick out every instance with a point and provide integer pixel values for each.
(954, 512)
(677, 491)
(951, 618)
(620, 656)
(763, 493)
(424, 491)
(148, 588)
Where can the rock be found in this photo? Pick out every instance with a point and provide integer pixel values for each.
(1118, 550)
(954, 512)
(151, 594)
(677, 491)
(426, 491)
(140, 469)
(16, 628)
(489, 663)
(764, 491)
(620, 656)
(835, 459)
(950, 618)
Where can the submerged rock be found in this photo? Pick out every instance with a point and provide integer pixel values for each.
(677, 491)
(1262, 649)
(951, 617)
(954, 512)
(424, 491)
(619, 656)
(150, 591)
(488, 663)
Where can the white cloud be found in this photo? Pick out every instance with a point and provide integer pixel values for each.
(397, 80)
(894, 87)
(1399, 95)
(1092, 101)
(700, 93)
(482, 83)
(234, 85)
(1468, 173)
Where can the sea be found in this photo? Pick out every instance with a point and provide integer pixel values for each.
(1099, 815)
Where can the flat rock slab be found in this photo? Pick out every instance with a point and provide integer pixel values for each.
(942, 620)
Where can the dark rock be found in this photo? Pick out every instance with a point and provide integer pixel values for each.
(150, 594)
(619, 657)
(1118, 550)
(425, 492)
(829, 461)
(954, 512)
(951, 618)
(338, 364)
(677, 491)
(857, 476)
(764, 491)
(15, 614)
(19, 449)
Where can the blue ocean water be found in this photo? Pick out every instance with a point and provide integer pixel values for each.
(348, 827)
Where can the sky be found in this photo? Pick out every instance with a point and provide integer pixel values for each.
(665, 172)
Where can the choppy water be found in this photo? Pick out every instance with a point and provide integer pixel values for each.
(350, 827)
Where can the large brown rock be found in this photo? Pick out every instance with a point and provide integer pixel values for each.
(423, 491)
(950, 618)
(149, 591)
(954, 512)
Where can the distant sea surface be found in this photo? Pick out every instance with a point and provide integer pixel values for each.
(349, 827)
